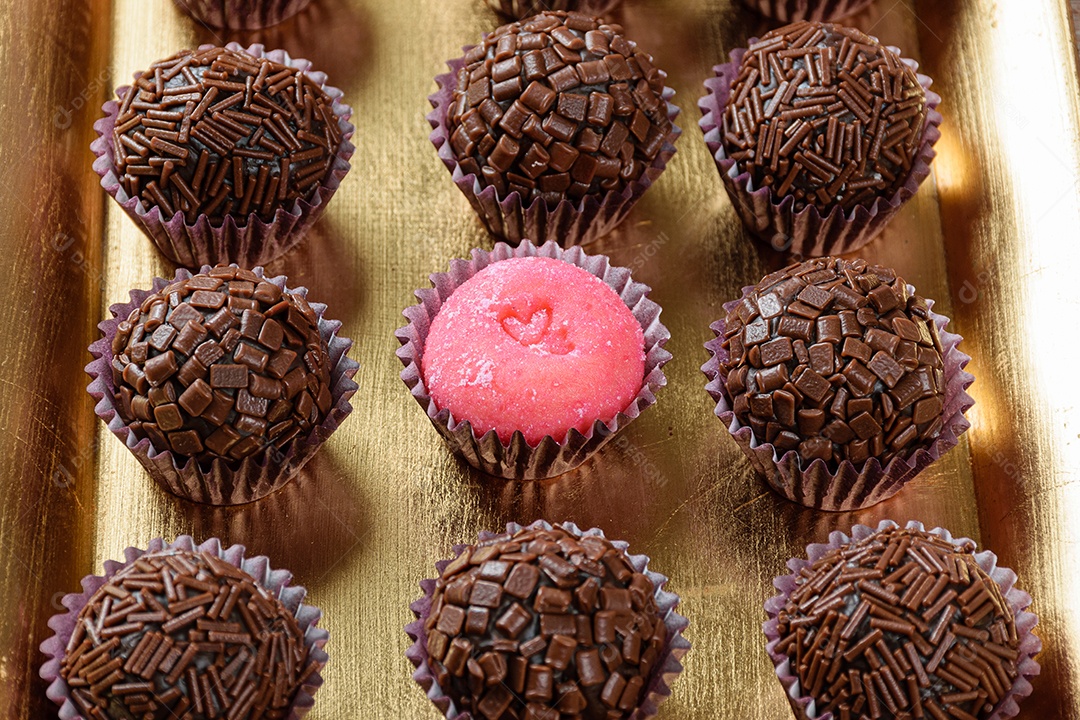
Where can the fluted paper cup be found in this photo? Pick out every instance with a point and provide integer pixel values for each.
(552, 456)
(245, 240)
(222, 482)
(803, 705)
(276, 582)
(668, 667)
(844, 486)
(772, 219)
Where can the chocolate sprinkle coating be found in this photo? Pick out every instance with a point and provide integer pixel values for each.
(543, 625)
(901, 624)
(223, 365)
(220, 132)
(519, 9)
(824, 114)
(177, 634)
(559, 105)
(837, 360)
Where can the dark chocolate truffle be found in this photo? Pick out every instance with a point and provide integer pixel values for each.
(559, 105)
(900, 624)
(179, 634)
(223, 365)
(838, 360)
(219, 133)
(826, 115)
(544, 624)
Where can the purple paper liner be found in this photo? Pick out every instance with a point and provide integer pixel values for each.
(789, 11)
(222, 482)
(847, 487)
(242, 14)
(508, 218)
(668, 668)
(520, 460)
(520, 9)
(247, 242)
(806, 232)
(1019, 601)
(274, 581)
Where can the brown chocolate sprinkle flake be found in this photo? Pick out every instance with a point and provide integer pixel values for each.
(901, 624)
(220, 132)
(543, 624)
(178, 634)
(222, 365)
(837, 360)
(525, 8)
(559, 105)
(824, 114)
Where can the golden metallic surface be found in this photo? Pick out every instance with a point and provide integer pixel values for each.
(992, 235)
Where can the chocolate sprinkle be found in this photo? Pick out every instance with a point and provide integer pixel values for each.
(524, 8)
(220, 132)
(559, 105)
(902, 624)
(826, 115)
(187, 635)
(543, 625)
(222, 365)
(837, 360)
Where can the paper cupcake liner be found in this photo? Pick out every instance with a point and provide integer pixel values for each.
(1019, 601)
(789, 11)
(847, 487)
(509, 218)
(806, 233)
(242, 14)
(519, 9)
(668, 668)
(246, 241)
(551, 456)
(274, 581)
(222, 482)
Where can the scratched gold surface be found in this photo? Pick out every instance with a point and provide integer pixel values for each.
(991, 235)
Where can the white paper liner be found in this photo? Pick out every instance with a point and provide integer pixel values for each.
(551, 457)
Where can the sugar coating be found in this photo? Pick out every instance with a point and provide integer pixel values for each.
(537, 345)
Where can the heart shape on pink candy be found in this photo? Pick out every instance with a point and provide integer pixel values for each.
(529, 322)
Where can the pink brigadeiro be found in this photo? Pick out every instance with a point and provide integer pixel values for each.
(536, 345)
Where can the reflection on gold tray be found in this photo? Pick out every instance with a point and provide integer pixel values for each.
(992, 236)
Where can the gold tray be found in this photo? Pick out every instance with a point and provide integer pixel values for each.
(992, 235)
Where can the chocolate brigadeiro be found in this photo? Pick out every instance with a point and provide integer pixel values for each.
(223, 365)
(546, 623)
(840, 363)
(221, 134)
(559, 107)
(821, 133)
(826, 115)
(233, 377)
(185, 631)
(519, 9)
(902, 623)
